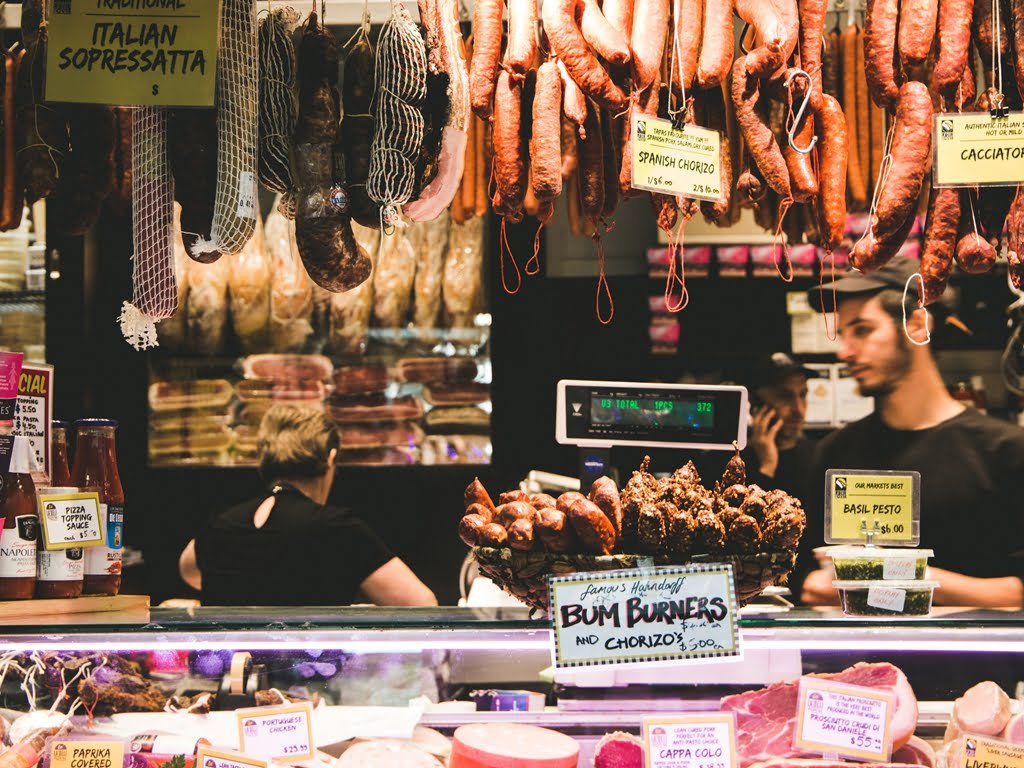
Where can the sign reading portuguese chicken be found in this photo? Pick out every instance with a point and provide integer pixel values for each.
(132, 52)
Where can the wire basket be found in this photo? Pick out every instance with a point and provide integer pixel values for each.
(525, 574)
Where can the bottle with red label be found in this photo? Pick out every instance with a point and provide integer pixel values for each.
(95, 468)
(19, 509)
(59, 573)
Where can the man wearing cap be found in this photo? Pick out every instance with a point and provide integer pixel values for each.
(782, 455)
(971, 465)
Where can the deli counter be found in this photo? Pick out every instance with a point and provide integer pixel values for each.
(417, 675)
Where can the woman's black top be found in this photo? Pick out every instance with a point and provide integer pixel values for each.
(304, 554)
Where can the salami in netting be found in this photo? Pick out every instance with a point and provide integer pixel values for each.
(154, 289)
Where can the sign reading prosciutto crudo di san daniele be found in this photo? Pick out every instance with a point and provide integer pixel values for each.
(656, 614)
(132, 52)
(846, 720)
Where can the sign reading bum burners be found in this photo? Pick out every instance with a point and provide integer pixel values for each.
(132, 52)
(648, 615)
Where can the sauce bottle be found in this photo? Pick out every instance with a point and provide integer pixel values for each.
(60, 474)
(59, 573)
(96, 469)
(20, 510)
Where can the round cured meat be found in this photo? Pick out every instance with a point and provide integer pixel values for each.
(494, 745)
(386, 753)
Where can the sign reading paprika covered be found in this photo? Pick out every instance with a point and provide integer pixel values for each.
(132, 52)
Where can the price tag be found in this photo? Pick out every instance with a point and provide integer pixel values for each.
(666, 159)
(975, 148)
(284, 731)
(690, 741)
(216, 758)
(887, 598)
(899, 568)
(622, 617)
(70, 520)
(885, 503)
(134, 54)
(246, 195)
(980, 752)
(846, 720)
(33, 414)
(86, 754)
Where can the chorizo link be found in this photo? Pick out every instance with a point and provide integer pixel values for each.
(521, 49)
(606, 40)
(568, 45)
(917, 30)
(483, 72)
(759, 138)
(833, 152)
(940, 240)
(855, 181)
(716, 44)
(545, 149)
(880, 51)
(509, 166)
(954, 41)
(647, 39)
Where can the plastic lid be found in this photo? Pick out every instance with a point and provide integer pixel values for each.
(59, 424)
(853, 586)
(86, 423)
(853, 552)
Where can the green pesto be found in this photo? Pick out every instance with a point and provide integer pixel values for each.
(871, 570)
(918, 603)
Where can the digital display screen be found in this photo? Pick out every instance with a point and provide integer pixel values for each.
(696, 414)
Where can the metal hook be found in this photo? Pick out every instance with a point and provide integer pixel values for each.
(791, 132)
(743, 38)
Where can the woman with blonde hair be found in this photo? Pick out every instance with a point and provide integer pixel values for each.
(289, 546)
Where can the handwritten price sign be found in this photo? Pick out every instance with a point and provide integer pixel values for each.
(285, 731)
(622, 617)
(845, 720)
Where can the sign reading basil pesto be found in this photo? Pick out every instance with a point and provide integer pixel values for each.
(975, 148)
(881, 503)
(676, 162)
(621, 617)
(132, 52)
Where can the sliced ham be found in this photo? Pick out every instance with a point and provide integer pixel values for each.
(494, 745)
(619, 750)
(983, 709)
(766, 718)
(917, 751)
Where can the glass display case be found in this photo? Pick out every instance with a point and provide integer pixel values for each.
(376, 673)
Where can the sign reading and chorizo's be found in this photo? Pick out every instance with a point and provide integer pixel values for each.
(984, 752)
(975, 148)
(885, 504)
(621, 617)
(132, 52)
(70, 520)
(284, 731)
(690, 741)
(676, 162)
(845, 720)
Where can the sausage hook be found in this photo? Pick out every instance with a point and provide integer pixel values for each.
(791, 132)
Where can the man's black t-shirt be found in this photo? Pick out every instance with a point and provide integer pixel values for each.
(305, 554)
(972, 474)
(790, 474)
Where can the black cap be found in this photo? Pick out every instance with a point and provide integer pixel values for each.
(773, 370)
(894, 274)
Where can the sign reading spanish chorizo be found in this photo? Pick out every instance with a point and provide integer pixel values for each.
(976, 148)
(657, 614)
(132, 52)
(676, 162)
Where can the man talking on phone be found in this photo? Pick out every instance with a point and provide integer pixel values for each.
(778, 452)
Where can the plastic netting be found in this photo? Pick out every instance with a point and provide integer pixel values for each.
(234, 210)
(278, 104)
(154, 287)
(401, 68)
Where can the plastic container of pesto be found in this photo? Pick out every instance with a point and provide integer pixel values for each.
(851, 563)
(886, 598)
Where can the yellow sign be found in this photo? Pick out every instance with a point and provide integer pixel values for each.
(979, 752)
(70, 520)
(132, 52)
(284, 731)
(86, 754)
(676, 162)
(845, 720)
(690, 741)
(216, 758)
(975, 148)
(884, 504)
